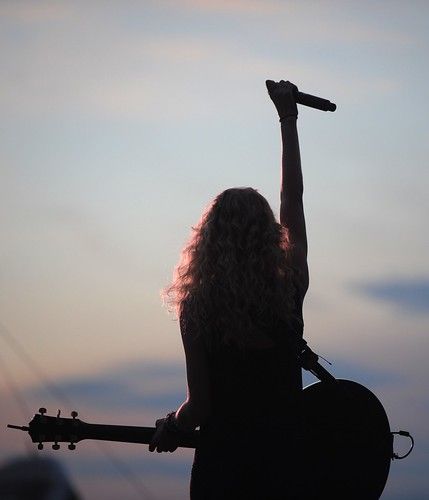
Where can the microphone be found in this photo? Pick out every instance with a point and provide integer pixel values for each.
(315, 102)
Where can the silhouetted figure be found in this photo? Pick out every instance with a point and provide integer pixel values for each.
(238, 290)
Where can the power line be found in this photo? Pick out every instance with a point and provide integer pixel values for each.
(20, 351)
(14, 391)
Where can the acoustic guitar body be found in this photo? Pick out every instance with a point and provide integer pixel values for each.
(347, 444)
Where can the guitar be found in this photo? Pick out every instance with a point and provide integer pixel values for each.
(346, 443)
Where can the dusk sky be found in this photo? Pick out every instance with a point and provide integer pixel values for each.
(122, 120)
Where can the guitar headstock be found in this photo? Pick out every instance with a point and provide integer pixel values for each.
(48, 429)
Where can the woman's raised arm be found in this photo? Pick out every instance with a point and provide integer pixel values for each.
(292, 188)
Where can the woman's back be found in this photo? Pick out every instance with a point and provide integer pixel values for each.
(248, 444)
(265, 373)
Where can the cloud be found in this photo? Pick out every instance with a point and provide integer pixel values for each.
(142, 386)
(409, 295)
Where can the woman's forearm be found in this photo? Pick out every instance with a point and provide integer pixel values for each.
(292, 184)
(292, 187)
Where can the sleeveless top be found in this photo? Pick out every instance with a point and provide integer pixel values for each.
(249, 446)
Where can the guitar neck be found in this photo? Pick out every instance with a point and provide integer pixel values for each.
(130, 434)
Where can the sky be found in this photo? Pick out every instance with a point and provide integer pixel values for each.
(121, 121)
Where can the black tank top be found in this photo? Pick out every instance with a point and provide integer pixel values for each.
(266, 382)
(249, 446)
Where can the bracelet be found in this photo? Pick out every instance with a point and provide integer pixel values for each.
(286, 117)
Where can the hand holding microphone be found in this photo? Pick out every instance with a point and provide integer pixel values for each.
(285, 96)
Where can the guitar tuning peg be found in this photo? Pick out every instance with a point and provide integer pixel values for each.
(74, 414)
(40, 446)
(56, 446)
(42, 411)
(71, 446)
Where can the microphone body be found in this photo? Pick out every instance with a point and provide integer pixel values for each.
(315, 102)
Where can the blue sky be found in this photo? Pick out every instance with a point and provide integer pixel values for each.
(121, 121)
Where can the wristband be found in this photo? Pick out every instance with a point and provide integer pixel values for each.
(286, 117)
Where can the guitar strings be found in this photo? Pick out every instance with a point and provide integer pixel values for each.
(127, 474)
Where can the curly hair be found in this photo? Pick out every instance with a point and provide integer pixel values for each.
(234, 271)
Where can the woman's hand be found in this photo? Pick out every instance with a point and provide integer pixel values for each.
(283, 95)
(163, 439)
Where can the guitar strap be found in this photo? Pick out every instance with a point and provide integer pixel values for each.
(308, 359)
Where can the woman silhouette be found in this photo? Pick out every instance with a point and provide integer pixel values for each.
(238, 291)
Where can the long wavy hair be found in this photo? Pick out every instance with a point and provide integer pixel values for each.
(234, 271)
